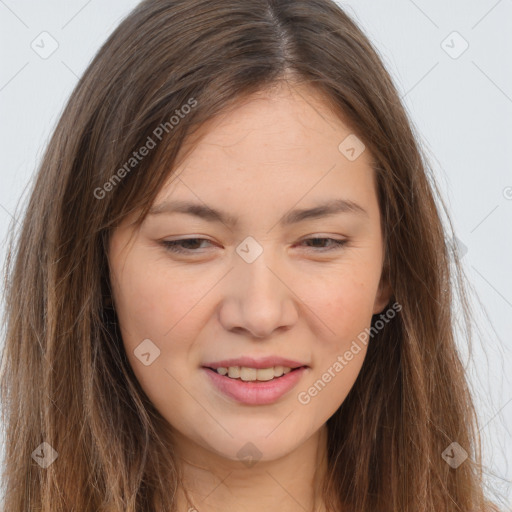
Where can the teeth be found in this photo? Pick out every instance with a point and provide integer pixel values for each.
(251, 374)
(233, 372)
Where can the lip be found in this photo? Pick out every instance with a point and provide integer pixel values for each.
(252, 362)
(257, 392)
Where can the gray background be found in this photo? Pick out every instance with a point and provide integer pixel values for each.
(460, 105)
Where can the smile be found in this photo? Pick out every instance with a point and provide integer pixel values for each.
(245, 387)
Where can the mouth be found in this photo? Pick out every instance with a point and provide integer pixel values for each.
(255, 386)
(251, 374)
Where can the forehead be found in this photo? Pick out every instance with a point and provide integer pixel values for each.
(278, 137)
(287, 121)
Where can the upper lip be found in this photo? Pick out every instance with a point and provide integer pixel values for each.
(252, 362)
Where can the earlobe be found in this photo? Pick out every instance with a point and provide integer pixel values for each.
(383, 296)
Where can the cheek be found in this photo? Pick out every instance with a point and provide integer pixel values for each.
(343, 303)
(344, 307)
(154, 305)
(154, 300)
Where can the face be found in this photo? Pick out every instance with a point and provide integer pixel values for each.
(265, 277)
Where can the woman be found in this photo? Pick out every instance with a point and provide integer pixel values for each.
(261, 370)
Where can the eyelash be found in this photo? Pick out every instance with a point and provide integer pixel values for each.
(173, 245)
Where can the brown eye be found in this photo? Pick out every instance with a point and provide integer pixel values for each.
(177, 245)
(335, 243)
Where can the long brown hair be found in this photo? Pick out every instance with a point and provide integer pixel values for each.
(169, 67)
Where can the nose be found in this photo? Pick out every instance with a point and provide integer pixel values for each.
(258, 300)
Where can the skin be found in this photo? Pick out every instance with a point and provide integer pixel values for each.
(276, 151)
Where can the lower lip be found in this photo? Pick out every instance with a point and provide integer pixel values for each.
(258, 392)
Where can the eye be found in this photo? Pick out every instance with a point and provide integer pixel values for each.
(177, 245)
(191, 244)
(335, 243)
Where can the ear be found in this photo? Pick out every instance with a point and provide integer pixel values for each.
(383, 295)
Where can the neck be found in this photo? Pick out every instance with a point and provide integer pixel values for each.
(211, 483)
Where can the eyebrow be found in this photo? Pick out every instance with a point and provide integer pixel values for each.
(332, 207)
